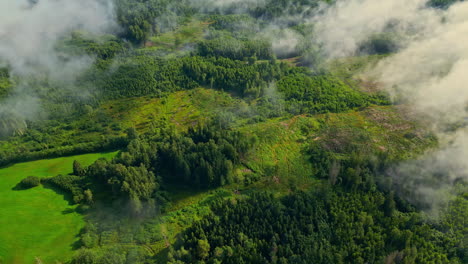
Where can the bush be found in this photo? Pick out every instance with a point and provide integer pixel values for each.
(30, 182)
(70, 183)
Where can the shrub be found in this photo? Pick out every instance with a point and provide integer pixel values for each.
(30, 182)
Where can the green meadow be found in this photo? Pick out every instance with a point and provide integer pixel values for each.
(38, 223)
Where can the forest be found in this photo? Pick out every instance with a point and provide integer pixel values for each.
(202, 131)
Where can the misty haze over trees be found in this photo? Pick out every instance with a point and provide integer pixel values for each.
(234, 131)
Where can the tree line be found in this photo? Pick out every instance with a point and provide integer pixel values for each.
(321, 226)
(204, 157)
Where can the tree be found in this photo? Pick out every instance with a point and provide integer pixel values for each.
(389, 204)
(78, 170)
(203, 248)
(89, 196)
(132, 134)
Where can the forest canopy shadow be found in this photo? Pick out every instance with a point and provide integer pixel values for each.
(66, 195)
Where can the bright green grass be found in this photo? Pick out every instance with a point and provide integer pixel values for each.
(279, 150)
(183, 108)
(38, 222)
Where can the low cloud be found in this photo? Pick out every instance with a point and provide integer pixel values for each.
(29, 34)
(342, 27)
(427, 73)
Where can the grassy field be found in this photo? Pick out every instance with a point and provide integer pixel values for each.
(183, 108)
(279, 151)
(38, 222)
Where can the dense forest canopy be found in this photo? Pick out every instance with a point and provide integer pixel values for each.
(243, 132)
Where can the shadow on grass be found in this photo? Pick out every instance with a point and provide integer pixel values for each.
(69, 211)
(181, 192)
(6, 166)
(20, 187)
(78, 243)
(66, 195)
(162, 256)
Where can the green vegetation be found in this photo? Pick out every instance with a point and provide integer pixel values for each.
(222, 153)
(182, 37)
(318, 227)
(38, 222)
(30, 182)
(5, 83)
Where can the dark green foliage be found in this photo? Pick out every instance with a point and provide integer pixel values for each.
(320, 227)
(380, 44)
(232, 75)
(5, 83)
(143, 72)
(322, 161)
(140, 18)
(204, 157)
(272, 9)
(109, 255)
(59, 150)
(354, 170)
(139, 75)
(70, 183)
(103, 47)
(319, 94)
(131, 80)
(98, 247)
(442, 3)
(389, 205)
(78, 170)
(124, 181)
(109, 181)
(230, 47)
(232, 22)
(30, 182)
(127, 178)
(454, 224)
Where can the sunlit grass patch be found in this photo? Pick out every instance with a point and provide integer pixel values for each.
(38, 222)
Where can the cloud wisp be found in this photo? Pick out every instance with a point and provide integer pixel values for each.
(427, 73)
(29, 34)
